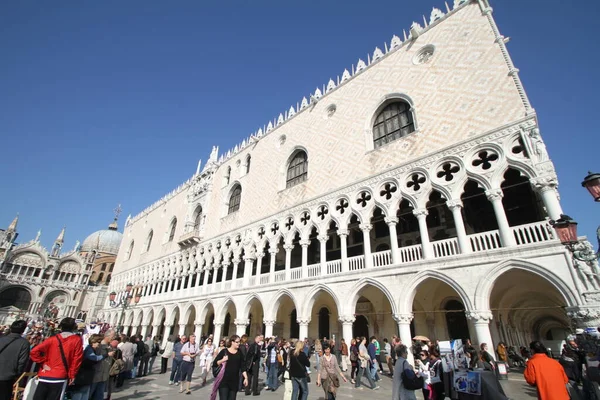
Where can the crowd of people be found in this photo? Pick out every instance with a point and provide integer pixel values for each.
(90, 366)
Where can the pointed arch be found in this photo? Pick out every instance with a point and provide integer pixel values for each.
(247, 304)
(204, 308)
(271, 313)
(353, 295)
(311, 297)
(406, 303)
(486, 283)
(186, 310)
(221, 312)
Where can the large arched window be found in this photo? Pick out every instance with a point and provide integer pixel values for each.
(392, 123)
(248, 159)
(234, 200)
(197, 217)
(172, 228)
(130, 250)
(149, 241)
(297, 171)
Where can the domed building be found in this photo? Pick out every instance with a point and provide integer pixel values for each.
(100, 249)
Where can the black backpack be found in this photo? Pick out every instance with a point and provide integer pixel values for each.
(410, 380)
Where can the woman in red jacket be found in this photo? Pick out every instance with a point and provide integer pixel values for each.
(59, 358)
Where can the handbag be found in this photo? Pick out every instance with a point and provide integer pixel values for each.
(215, 367)
(30, 388)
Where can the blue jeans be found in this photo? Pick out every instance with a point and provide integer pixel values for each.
(317, 360)
(363, 371)
(272, 376)
(299, 385)
(373, 370)
(97, 391)
(81, 393)
(176, 370)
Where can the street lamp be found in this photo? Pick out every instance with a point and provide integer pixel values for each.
(566, 227)
(123, 302)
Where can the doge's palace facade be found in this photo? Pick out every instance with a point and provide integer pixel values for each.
(411, 195)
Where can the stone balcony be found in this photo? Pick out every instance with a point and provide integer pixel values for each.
(190, 238)
(485, 244)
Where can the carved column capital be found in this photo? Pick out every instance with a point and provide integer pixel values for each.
(303, 322)
(269, 322)
(273, 251)
(218, 324)
(420, 212)
(391, 220)
(365, 227)
(480, 316)
(241, 322)
(342, 232)
(288, 247)
(403, 318)
(323, 238)
(494, 194)
(347, 319)
(584, 316)
(305, 243)
(452, 204)
(542, 183)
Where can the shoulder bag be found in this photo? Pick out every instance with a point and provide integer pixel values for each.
(8, 344)
(62, 355)
(410, 380)
(215, 367)
(306, 374)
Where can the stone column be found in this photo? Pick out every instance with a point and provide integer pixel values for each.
(259, 257)
(546, 187)
(248, 263)
(213, 285)
(347, 321)
(343, 234)
(273, 253)
(404, 321)
(463, 242)
(288, 260)
(303, 333)
(218, 330)
(366, 230)
(481, 321)
(205, 281)
(268, 328)
(144, 332)
(506, 236)
(198, 330)
(182, 329)
(323, 253)
(391, 223)
(224, 279)
(240, 326)
(236, 263)
(304, 244)
(421, 215)
(155, 329)
(166, 335)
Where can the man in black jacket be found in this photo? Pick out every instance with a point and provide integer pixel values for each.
(14, 354)
(252, 365)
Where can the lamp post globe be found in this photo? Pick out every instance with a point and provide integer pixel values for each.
(592, 183)
(566, 229)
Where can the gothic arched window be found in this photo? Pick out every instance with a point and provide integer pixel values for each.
(297, 170)
(172, 228)
(392, 123)
(248, 159)
(149, 241)
(130, 251)
(234, 199)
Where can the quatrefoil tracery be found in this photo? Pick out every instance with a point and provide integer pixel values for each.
(448, 171)
(388, 191)
(305, 218)
(363, 199)
(341, 206)
(323, 211)
(415, 181)
(485, 159)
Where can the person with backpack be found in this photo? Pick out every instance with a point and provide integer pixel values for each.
(14, 354)
(405, 381)
(435, 374)
(59, 357)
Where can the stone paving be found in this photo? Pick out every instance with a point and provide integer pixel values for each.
(156, 386)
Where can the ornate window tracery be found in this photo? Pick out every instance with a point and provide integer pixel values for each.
(297, 171)
(234, 199)
(393, 122)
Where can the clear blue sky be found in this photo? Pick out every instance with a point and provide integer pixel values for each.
(108, 102)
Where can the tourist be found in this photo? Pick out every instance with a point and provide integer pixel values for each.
(177, 360)
(167, 353)
(253, 365)
(145, 361)
(363, 365)
(546, 374)
(272, 365)
(128, 348)
(374, 365)
(422, 364)
(387, 351)
(80, 390)
(207, 353)
(344, 353)
(188, 353)
(59, 361)
(232, 365)
(471, 353)
(318, 352)
(102, 369)
(501, 350)
(154, 349)
(244, 350)
(486, 358)
(14, 355)
(327, 376)
(353, 360)
(298, 369)
(436, 372)
(221, 346)
(282, 359)
(399, 392)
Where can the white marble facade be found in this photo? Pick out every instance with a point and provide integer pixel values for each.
(442, 232)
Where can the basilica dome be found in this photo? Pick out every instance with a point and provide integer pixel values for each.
(104, 241)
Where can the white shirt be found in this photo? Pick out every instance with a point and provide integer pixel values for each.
(189, 348)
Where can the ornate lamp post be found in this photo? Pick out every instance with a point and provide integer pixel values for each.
(124, 302)
(566, 227)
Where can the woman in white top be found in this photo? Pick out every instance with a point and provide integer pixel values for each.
(423, 370)
(207, 354)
